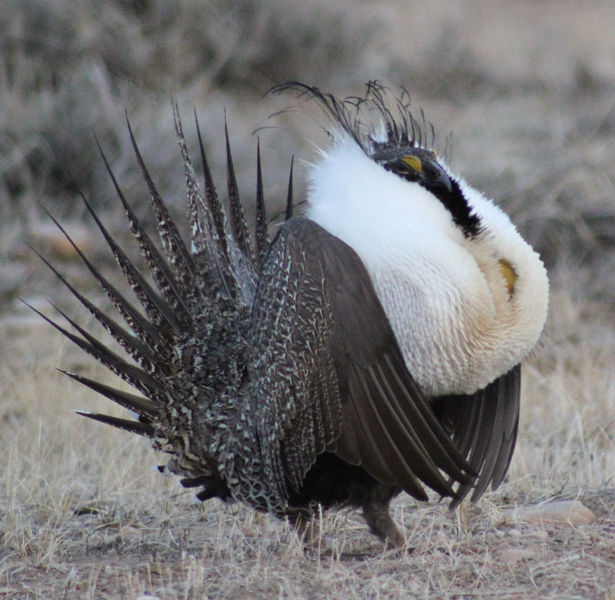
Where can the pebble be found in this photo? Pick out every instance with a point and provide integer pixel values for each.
(560, 512)
(514, 555)
(514, 533)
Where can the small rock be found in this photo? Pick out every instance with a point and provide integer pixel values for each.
(514, 555)
(514, 533)
(561, 512)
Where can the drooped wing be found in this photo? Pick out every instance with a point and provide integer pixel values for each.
(483, 427)
(331, 374)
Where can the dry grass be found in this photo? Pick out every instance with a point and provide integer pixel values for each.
(526, 88)
(84, 515)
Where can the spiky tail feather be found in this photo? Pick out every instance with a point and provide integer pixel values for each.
(180, 339)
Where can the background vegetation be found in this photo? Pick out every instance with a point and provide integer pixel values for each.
(528, 91)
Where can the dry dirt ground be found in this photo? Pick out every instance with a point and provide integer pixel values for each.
(85, 515)
(528, 90)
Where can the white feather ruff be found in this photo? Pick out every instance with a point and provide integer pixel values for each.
(443, 294)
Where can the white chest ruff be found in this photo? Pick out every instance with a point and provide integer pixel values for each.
(446, 301)
(444, 341)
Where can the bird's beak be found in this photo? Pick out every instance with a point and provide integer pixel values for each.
(428, 171)
(438, 177)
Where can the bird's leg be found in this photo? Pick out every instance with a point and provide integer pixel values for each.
(307, 526)
(377, 516)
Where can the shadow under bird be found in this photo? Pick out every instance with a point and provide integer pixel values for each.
(373, 346)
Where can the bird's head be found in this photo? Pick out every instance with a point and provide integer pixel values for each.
(413, 164)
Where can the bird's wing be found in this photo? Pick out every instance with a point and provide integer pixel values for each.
(484, 428)
(331, 375)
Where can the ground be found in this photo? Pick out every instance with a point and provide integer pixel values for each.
(527, 90)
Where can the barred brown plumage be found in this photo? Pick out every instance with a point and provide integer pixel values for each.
(337, 364)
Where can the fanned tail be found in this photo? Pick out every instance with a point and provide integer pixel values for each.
(185, 336)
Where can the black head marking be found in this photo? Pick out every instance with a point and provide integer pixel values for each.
(456, 203)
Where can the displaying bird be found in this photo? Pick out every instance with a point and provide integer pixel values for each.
(373, 346)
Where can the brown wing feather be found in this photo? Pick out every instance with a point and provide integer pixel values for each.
(484, 428)
(385, 424)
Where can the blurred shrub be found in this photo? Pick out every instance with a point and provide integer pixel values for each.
(70, 67)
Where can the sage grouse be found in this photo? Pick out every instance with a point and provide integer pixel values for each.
(373, 346)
